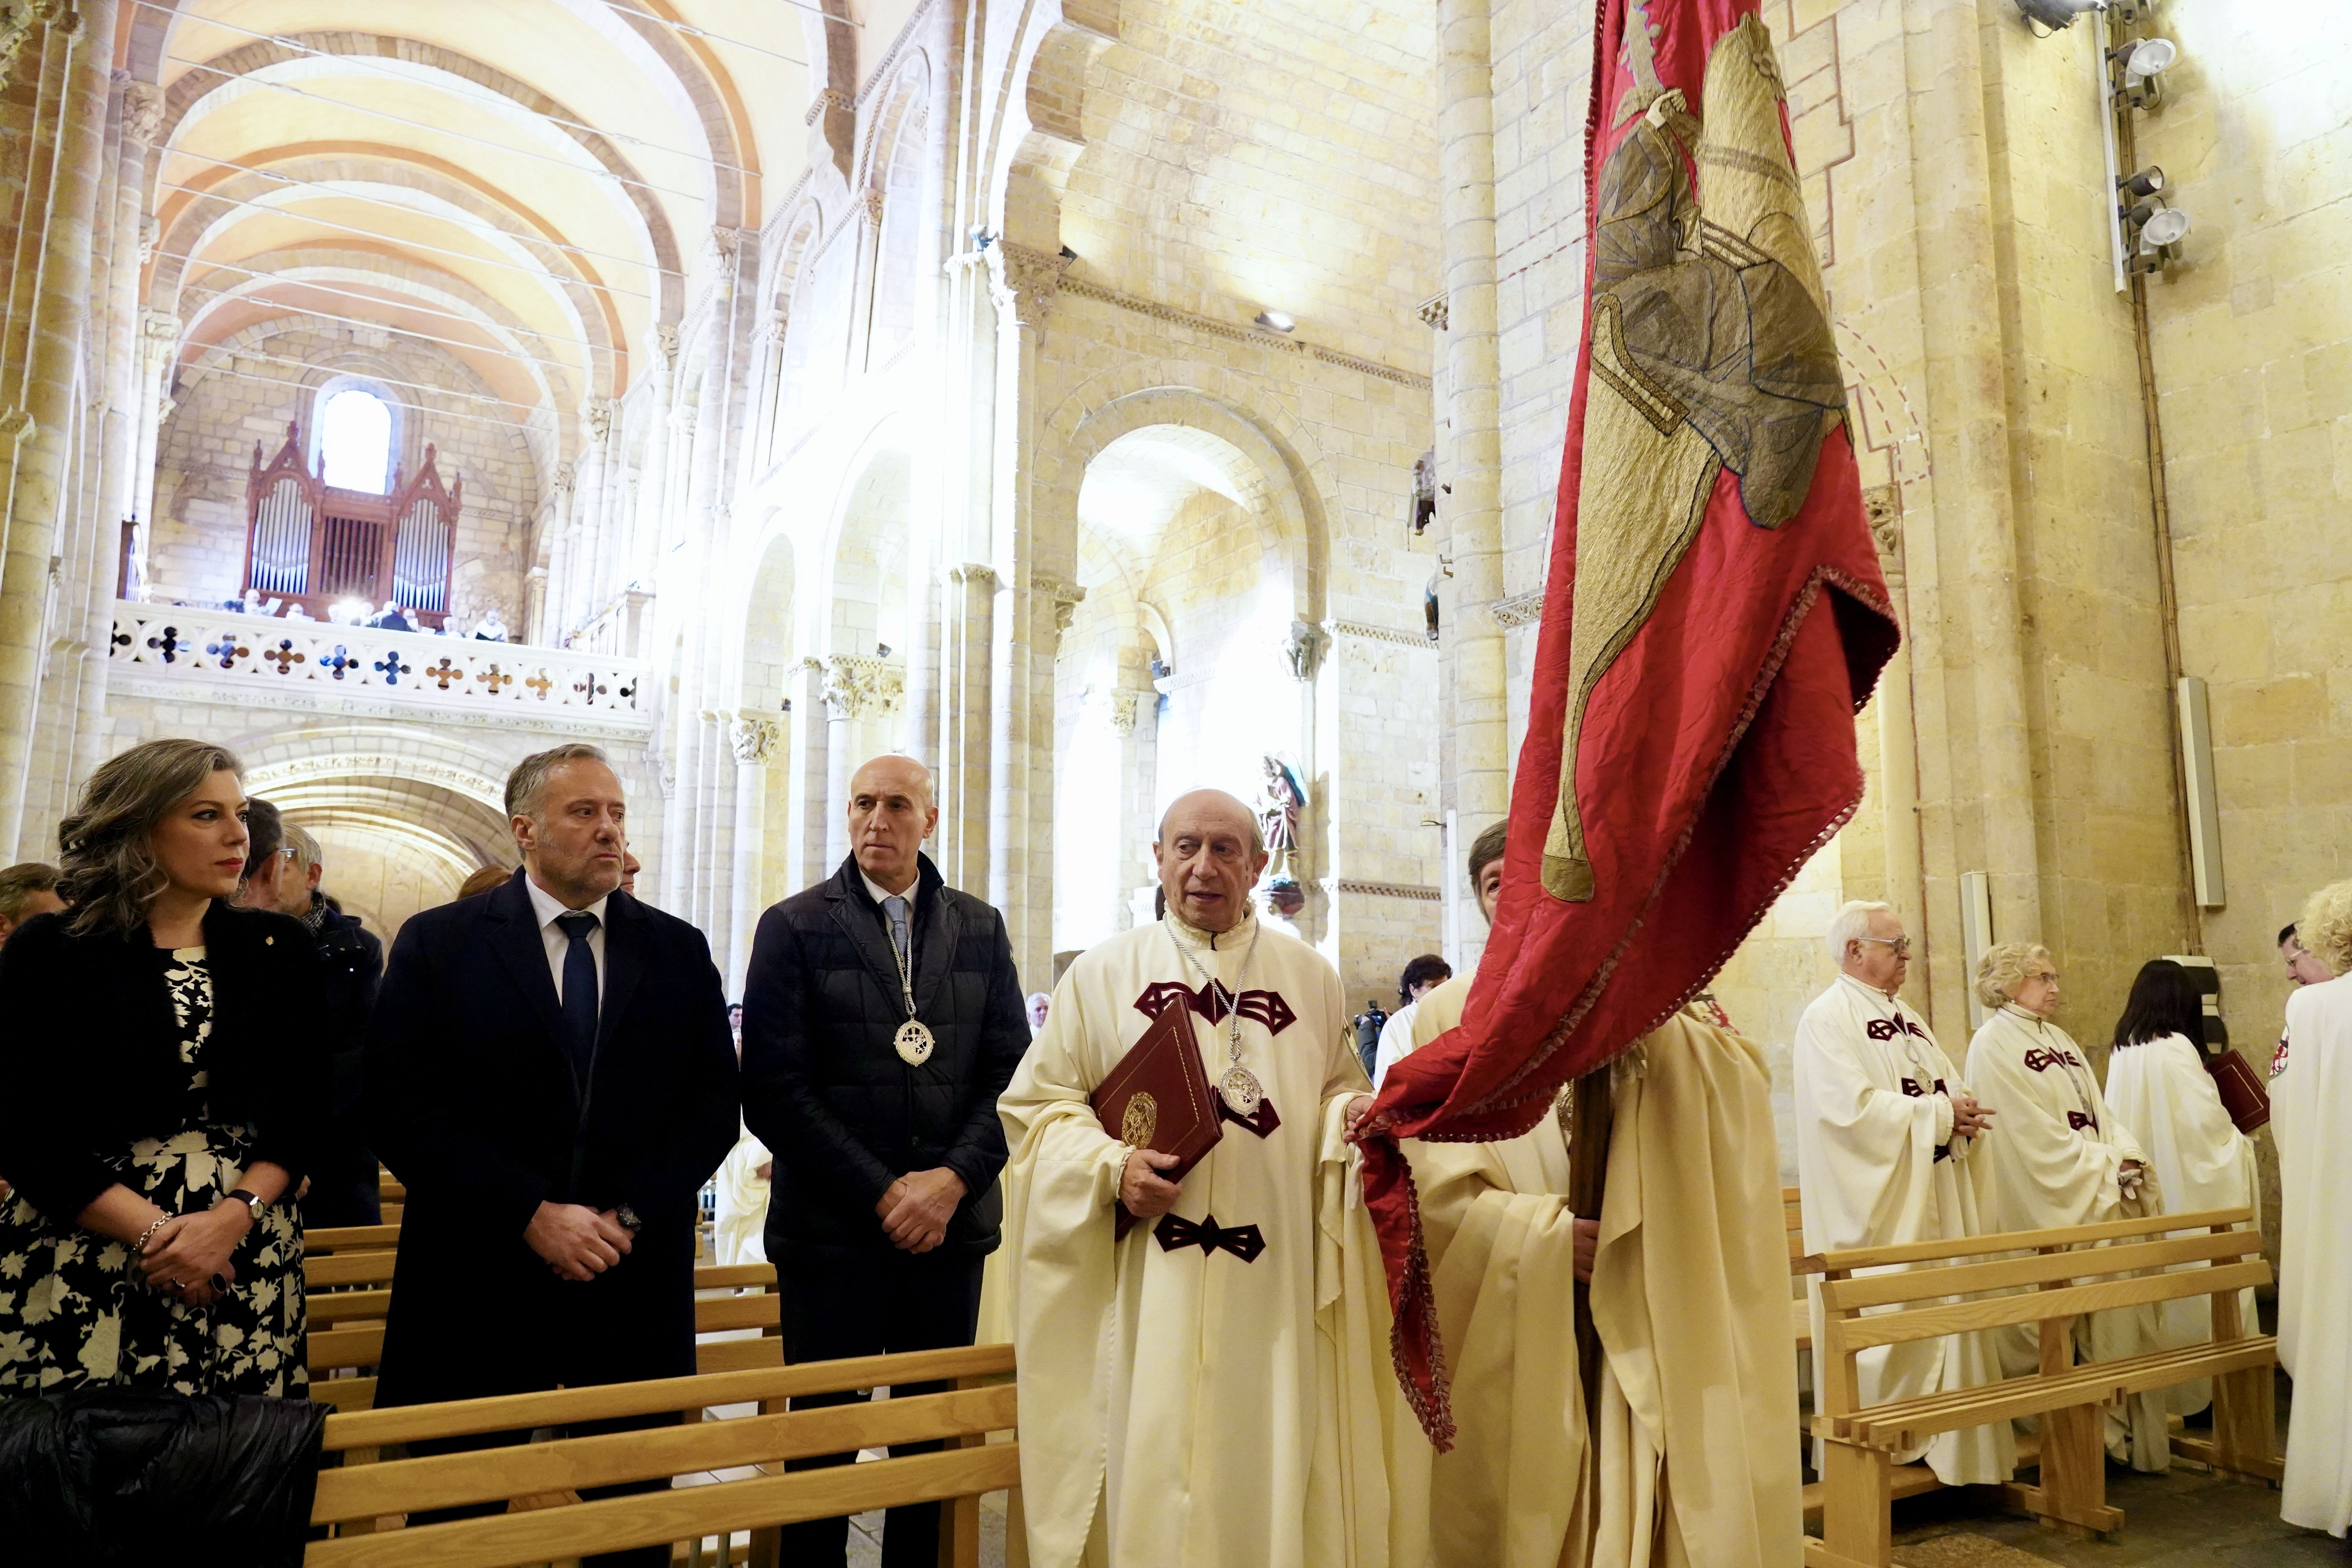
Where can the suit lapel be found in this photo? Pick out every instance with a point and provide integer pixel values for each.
(515, 939)
(625, 962)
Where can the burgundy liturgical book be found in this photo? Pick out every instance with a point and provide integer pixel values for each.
(2243, 1094)
(1159, 1096)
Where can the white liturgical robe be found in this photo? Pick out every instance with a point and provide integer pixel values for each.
(738, 1232)
(1689, 1462)
(2315, 1256)
(1878, 1165)
(2162, 1091)
(2057, 1151)
(1188, 1403)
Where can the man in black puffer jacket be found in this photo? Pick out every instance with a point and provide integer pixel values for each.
(882, 1016)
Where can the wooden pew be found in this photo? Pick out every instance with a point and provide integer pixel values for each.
(2063, 1274)
(346, 1324)
(547, 1476)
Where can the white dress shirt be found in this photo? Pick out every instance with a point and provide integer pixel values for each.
(545, 905)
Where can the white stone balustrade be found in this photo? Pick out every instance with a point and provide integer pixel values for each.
(194, 654)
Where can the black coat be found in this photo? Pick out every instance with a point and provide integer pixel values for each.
(89, 1051)
(824, 1087)
(470, 1098)
(343, 1186)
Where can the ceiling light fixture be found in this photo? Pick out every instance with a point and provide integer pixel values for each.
(1277, 321)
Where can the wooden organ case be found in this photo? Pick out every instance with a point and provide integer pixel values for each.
(314, 544)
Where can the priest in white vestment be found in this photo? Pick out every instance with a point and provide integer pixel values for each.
(2062, 1157)
(2314, 1247)
(2158, 1085)
(1690, 1461)
(1212, 1391)
(739, 1227)
(1889, 1152)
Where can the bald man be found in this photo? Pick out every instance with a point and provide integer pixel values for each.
(1215, 1380)
(882, 1016)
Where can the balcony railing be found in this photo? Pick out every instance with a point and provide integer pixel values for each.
(214, 655)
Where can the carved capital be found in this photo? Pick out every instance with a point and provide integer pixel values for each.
(596, 420)
(857, 686)
(869, 205)
(1883, 507)
(150, 235)
(142, 111)
(779, 322)
(1124, 707)
(1303, 648)
(973, 572)
(681, 421)
(16, 424)
(1025, 281)
(751, 736)
(1520, 609)
(1433, 311)
(661, 346)
(1066, 598)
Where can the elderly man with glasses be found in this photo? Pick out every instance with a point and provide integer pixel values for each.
(1885, 1131)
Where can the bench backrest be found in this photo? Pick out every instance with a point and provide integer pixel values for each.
(983, 1403)
(2046, 1277)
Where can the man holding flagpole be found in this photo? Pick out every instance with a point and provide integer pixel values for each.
(1711, 562)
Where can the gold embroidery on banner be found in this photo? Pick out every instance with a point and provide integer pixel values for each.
(1710, 349)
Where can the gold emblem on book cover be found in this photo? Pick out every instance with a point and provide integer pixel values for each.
(1140, 1120)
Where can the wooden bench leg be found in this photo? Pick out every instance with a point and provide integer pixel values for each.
(1857, 1495)
(2071, 1496)
(2245, 1425)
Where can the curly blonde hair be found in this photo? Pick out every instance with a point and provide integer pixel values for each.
(109, 871)
(2325, 928)
(2004, 967)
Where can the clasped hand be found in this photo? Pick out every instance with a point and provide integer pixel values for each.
(1970, 1120)
(188, 1258)
(916, 1208)
(576, 1241)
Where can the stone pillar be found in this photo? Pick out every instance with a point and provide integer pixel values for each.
(811, 763)
(534, 607)
(36, 498)
(967, 648)
(592, 542)
(556, 604)
(1479, 733)
(1898, 750)
(844, 705)
(653, 477)
(751, 736)
(159, 343)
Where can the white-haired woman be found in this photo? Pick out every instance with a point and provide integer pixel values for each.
(155, 1100)
(2311, 1096)
(2062, 1158)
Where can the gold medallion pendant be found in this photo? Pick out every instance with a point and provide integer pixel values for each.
(914, 1042)
(1240, 1091)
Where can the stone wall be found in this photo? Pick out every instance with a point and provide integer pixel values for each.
(249, 391)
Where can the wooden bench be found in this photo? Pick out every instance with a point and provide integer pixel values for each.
(2065, 1274)
(348, 1294)
(546, 1521)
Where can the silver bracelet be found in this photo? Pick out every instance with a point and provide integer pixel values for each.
(139, 1248)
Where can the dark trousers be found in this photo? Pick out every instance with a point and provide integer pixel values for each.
(655, 1556)
(879, 1304)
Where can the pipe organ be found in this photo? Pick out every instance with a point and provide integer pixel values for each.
(315, 543)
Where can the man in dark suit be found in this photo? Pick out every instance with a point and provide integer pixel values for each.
(549, 1075)
(882, 1016)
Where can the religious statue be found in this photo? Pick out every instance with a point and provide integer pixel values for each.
(1286, 797)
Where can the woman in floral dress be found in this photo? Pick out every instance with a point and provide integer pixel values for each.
(155, 1100)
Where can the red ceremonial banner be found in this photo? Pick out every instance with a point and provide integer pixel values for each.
(1714, 619)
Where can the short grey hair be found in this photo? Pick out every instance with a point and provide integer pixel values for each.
(529, 780)
(1852, 923)
(305, 848)
(2001, 972)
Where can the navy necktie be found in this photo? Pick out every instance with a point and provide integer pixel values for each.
(579, 993)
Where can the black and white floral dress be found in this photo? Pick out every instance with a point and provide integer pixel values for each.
(73, 1309)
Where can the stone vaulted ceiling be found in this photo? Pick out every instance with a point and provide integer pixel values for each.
(530, 185)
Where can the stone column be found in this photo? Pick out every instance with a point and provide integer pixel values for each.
(652, 474)
(591, 550)
(1899, 748)
(159, 343)
(811, 763)
(751, 736)
(1479, 735)
(36, 498)
(557, 602)
(967, 648)
(845, 704)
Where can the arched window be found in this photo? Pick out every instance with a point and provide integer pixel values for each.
(355, 441)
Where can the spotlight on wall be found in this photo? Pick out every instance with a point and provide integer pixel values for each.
(2053, 13)
(2144, 62)
(2155, 233)
(2147, 182)
(1277, 321)
(881, 650)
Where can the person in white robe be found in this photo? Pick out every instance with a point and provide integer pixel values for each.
(2157, 1083)
(1422, 977)
(2315, 1298)
(1703, 1389)
(2062, 1157)
(739, 1227)
(1888, 1153)
(1211, 1390)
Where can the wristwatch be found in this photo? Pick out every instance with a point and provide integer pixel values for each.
(628, 1218)
(252, 1201)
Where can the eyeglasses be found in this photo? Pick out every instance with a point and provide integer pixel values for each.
(1901, 945)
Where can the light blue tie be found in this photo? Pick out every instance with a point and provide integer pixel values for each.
(894, 907)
